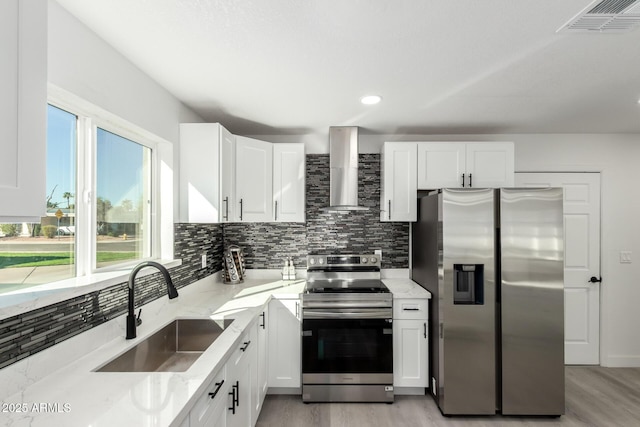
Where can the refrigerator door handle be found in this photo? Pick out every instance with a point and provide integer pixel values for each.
(441, 330)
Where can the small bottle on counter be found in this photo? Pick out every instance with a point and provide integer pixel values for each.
(285, 269)
(292, 270)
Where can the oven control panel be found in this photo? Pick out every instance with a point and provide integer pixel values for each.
(352, 262)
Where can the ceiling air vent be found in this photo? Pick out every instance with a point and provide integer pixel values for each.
(607, 16)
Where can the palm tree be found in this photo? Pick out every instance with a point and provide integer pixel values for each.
(67, 195)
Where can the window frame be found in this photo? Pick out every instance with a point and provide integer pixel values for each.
(88, 277)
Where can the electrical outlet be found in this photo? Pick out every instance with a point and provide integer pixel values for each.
(204, 261)
(378, 252)
(625, 257)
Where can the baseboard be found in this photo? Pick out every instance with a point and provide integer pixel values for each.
(409, 391)
(621, 362)
(285, 390)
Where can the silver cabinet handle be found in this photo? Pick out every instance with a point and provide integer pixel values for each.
(470, 180)
(425, 329)
(240, 209)
(276, 211)
(298, 309)
(226, 209)
(389, 210)
(463, 180)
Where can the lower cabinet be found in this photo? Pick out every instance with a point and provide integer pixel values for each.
(211, 407)
(410, 344)
(259, 365)
(241, 374)
(284, 343)
(234, 398)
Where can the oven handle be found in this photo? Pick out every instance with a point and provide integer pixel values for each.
(347, 314)
(346, 305)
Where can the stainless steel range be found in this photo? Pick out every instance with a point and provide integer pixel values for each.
(347, 341)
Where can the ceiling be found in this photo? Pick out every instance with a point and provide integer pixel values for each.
(288, 67)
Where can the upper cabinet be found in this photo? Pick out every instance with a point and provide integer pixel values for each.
(254, 183)
(468, 164)
(398, 195)
(23, 109)
(289, 183)
(228, 178)
(207, 173)
(407, 167)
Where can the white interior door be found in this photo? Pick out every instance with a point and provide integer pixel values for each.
(581, 260)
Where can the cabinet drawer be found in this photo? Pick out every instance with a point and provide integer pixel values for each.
(410, 308)
(214, 396)
(244, 347)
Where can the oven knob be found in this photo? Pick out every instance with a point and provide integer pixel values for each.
(373, 260)
(320, 260)
(312, 261)
(365, 260)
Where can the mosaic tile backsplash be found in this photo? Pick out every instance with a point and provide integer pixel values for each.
(266, 245)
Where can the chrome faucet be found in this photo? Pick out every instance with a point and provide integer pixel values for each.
(132, 321)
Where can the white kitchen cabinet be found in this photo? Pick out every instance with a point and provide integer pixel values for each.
(410, 345)
(398, 195)
(254, 180)
(240, 371)
(465, 164)
(207, 173)
(23, 109)
(211, 408)
(289, 182)
(285, 343)
(260, 384)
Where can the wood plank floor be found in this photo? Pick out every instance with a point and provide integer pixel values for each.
(595, 396)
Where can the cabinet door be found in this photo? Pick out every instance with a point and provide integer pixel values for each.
(241, 374)
(227, 175)
(261, 382)
(288, 182)
(440, 164)
(398, 201)
(199, 172)
(211, 407)
(284, 343)
(490, 165)
(23, 109)
(254, 183)
(410, 358)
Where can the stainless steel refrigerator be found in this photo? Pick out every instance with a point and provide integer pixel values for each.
(493, 261)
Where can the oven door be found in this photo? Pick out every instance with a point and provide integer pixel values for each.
(360, 347)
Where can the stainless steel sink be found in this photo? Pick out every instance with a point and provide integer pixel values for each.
(173, 348)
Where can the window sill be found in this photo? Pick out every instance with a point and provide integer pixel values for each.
(34, 297)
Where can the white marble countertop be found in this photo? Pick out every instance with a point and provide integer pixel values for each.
(58, 386)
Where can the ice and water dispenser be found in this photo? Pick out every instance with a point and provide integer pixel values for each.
(468, 284)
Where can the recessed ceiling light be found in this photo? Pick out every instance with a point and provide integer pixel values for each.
(370, 99)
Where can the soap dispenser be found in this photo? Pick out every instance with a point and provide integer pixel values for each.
(285, 270)
(292, 270)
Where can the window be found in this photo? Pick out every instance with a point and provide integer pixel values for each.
(99, 205)
(123, 199)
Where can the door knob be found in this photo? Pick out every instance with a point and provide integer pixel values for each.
(595, 279)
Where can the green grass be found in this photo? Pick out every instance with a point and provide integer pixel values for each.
(44, 259)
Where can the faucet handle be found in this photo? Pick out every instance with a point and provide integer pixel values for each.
(138, 319)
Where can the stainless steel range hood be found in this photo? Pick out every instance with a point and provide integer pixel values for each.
(343, 165)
